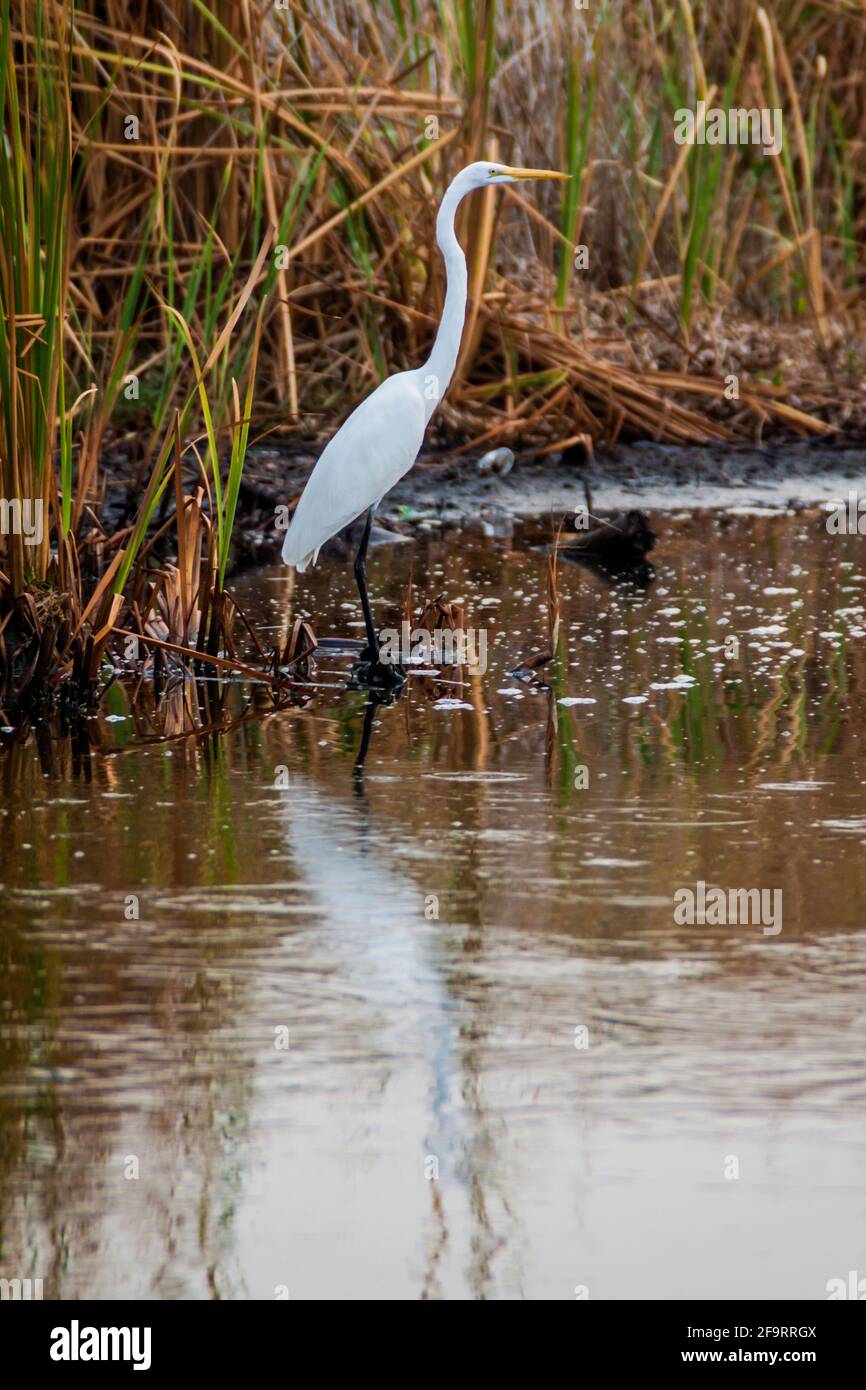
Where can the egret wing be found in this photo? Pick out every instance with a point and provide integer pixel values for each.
(369, 453)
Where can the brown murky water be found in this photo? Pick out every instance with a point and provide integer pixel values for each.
(510, 1072)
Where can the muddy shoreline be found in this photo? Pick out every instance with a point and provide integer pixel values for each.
(453, 493)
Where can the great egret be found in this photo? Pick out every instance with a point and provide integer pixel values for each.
(381, 439)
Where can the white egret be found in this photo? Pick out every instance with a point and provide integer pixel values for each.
(381, 439)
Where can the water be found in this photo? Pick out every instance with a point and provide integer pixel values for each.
(432, 1030)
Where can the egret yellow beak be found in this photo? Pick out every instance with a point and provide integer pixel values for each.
(535, 174)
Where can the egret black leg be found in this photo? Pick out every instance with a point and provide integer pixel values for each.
(369, 673)
(361, 579)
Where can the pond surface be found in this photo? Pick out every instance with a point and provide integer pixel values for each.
(272, 1025)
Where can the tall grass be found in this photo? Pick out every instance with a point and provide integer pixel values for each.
(239, 107)
(581, 86)
(34, 280)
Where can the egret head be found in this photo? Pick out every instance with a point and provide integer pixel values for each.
(484, 173)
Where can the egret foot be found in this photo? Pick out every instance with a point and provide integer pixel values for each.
(370, 673)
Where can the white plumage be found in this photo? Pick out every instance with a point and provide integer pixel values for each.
(370, 453)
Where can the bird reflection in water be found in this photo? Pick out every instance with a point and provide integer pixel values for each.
(614, 550)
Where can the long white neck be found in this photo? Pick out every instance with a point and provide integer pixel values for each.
(439, 367)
